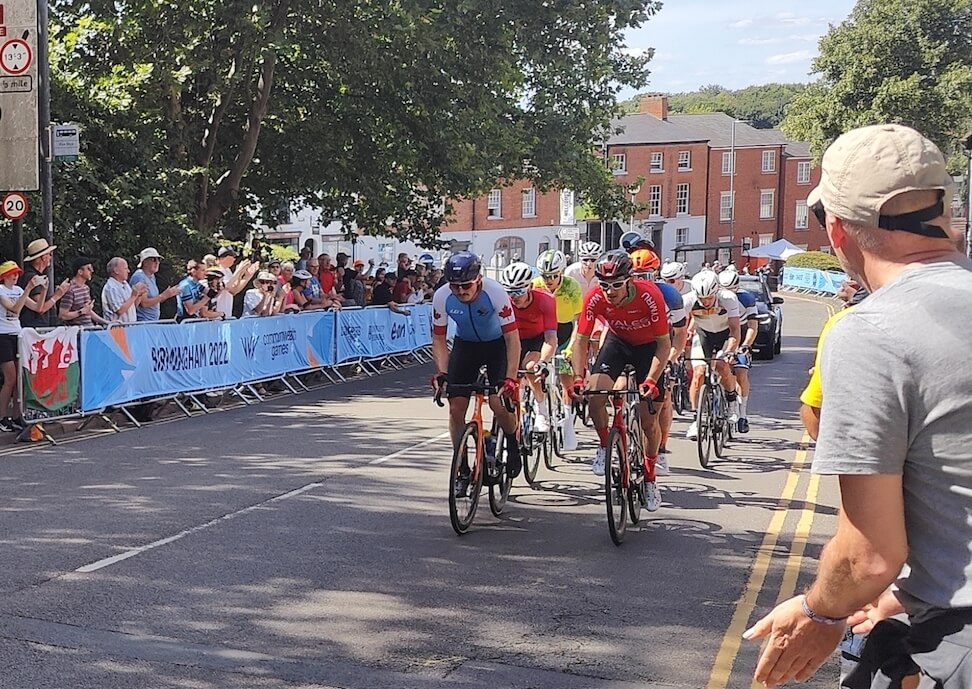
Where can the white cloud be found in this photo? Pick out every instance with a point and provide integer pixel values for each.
(741, 24)
(786, 58)
(759, 41)
(791, 19)
(808, 37)
(662, 56)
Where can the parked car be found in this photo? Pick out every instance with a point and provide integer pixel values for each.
(769, 339)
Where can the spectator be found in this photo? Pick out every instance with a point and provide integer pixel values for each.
(314, 291)
(274, 266)
(39, 312)
(403, 288)
(354, 291)
(13, 298)
(903, 449)
(149, 308)
(381, 294)
(304, 258)
(233, 281)
(209, 261)
(214, 288)
(118, 298)
(77, 306)
(404, 264)
(294, 299)
(341, 272)
(260, 301)
(286, 272)
(418, 294)
(327, 275)
(438, 279)
(192, 301)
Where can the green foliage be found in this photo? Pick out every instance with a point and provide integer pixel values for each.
(814, 259)
(902, 61)
(193, 114)
(763, 106)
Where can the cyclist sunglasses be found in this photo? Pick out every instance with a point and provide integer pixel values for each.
(462, 286)
(618, 284)
(550, 277)
(588, 260)
(521, 292)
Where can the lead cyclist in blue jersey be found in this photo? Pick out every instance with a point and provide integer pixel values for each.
(486, 335)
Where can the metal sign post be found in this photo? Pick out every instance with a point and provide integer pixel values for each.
(19, 128)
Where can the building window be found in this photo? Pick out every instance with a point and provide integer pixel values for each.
(725, 206)
(769, 161)
(766, 239)
(682, 198)
(825, 249)
(657, 162)
(729, 163)
(494, 204)
(619, 163)
(507, 250)
(681, 236)
(654, 199)
(529, 203)
(803, 172)
(684, 161)
(801, 216)
(766, 199)
(724, 256)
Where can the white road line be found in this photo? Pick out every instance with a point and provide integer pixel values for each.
(100, 564)
(394, 455)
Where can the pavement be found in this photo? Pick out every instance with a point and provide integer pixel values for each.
(305, 543)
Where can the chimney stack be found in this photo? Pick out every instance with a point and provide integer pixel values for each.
(654, 104)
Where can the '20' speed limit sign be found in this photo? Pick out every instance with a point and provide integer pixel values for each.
(15, 206)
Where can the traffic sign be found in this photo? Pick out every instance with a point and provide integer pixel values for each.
(569, 233)
(66, 142)
(16, 56)
(15, 206)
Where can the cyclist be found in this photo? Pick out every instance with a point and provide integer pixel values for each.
(570, 299)
(583, 269)
(645, 264)
(486, 335)
(714, 313)
(673, 273)
(536, 319)
(729, 279)
(637, 322)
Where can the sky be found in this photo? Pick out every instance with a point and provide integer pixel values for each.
(734, 44)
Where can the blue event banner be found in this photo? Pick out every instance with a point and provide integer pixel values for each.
(378, 331)
(810, 278)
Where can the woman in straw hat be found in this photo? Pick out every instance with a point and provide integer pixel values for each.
(12, 301)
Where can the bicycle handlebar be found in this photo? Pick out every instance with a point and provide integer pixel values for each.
(617, 394)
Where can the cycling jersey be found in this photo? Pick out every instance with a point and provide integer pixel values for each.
(641, 319)
(716, 319)
(576, 271)
(485, 318)
(674, 302)
(539, 317)
(747, 305)
(570, 298)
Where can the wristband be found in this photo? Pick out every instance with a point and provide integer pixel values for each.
(817, 617)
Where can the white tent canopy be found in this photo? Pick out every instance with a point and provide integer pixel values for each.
(779, 250)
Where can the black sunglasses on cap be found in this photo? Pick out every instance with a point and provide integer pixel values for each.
(914, 222)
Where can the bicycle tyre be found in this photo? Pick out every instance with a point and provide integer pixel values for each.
(615, 500)
(703, 422)
(558, 418)
(720, 423)
(636, 457)
(463, 510)
(500, 491)
(532, 442)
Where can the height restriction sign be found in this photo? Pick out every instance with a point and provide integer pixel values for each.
(15, 56)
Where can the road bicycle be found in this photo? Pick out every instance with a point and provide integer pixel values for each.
(533, 443)
(678, 386)
(624, 475)
(712, 415)
(478, 458)
(558, 413)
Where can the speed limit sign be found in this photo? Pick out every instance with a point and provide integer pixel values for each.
(15, 206)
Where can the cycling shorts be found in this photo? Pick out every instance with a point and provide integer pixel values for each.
(616, 353)
(530, 344)
(564, 331)
(706, 345)
(466, 358)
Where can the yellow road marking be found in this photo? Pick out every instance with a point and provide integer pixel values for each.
(729, 649)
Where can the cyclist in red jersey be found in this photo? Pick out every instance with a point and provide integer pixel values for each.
(638, 334)
(536, 320)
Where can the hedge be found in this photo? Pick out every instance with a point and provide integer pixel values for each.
(814, 259)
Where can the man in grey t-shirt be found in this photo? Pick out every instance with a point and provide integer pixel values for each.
(895, 427)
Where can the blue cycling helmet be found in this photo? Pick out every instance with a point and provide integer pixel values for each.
(462, 267)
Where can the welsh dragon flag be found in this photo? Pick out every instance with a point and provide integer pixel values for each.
(50, 367)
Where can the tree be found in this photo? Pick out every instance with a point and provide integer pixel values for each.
(901, 61)
(195, 114)
(763, 105)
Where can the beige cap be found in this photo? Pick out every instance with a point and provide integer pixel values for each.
(264, 276)
(149, 252)
(867, 167)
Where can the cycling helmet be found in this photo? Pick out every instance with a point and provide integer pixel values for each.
(672, 270)
(462, 266)
(551, 261)
(632, 242)
(644, 261)
(705, 284)
(516, 276)
(613, 265)
(589, 250)
(729, 278)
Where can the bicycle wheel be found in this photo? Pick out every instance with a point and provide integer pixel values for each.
(703, 421)
(499, 490)
(720, 424)
(558, 418)
(532, 443)
(462, 506)
(615, 500)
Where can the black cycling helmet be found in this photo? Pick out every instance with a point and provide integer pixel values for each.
(613, 265)
(462, 266)
(637, 244)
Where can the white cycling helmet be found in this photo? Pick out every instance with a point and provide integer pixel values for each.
(672, 270)
(729, 278)
(551, 261)
(589, 250)
(516, 276)
(705, 284)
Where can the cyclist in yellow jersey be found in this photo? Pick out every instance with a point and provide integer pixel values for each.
(570, 301)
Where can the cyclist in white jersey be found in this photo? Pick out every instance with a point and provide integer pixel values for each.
(583, 269)
(673, 273)
(714, 314)
(749, 327)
